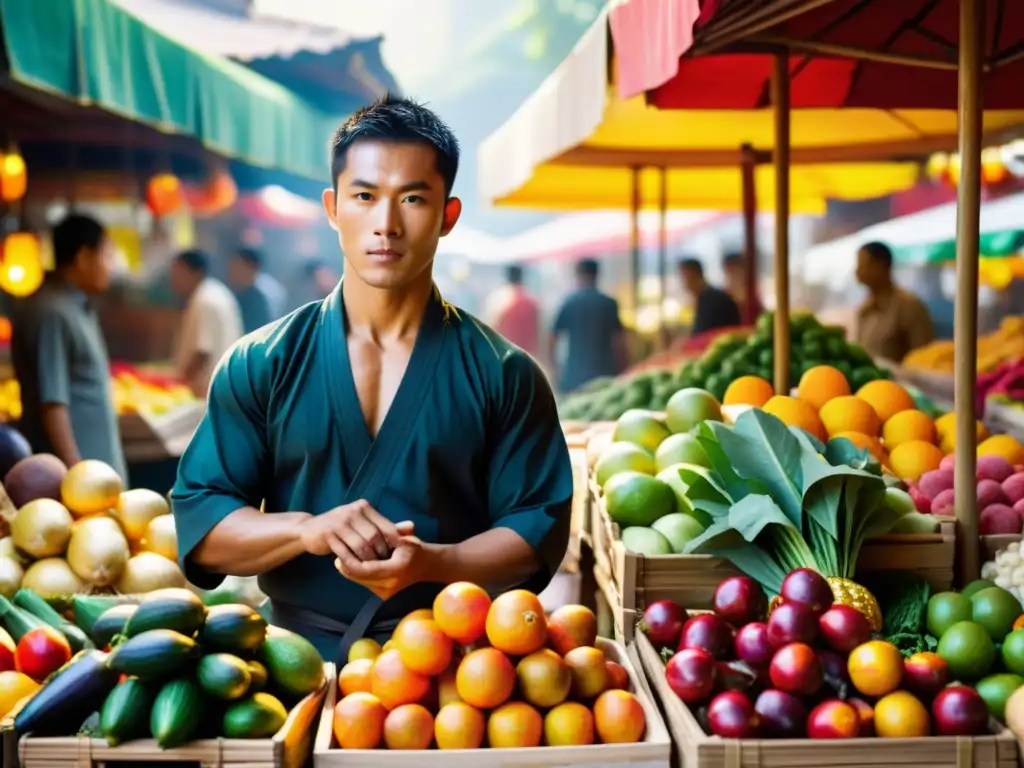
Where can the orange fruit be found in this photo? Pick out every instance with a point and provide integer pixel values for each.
(887, 398)
(1019, 622)
(365, 648)
(945, 425)
(544, 679)
(461, 611)
(850, 414)
(394, 683)
(618, 677)
(423, 646)
(901, 716)
(1006, 446)
(589, 674)
(569, 725)
(796, 413)
(419, 613)
(912, 459)
(359, 721)
(516, 624)
(355, 677)
(14, 686)
(619, 718)
(820, 384)
(570, 627)
(447, 690)
(748, 390)
(409, 726)
(866, 442)
(514, 725)
(485, 678)
(906, 426)
(876, 668)
(459, 726)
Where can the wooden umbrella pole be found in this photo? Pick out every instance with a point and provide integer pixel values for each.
(780, 103)
(663, 336)
(748, 167)
(634, 244)
(968, 212)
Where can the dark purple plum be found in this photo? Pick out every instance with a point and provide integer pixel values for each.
(691, 674)
(732, 716)
(792, 623)
(740, 600)
(752, 644)
(807, 587)
(709, 632)
(783, 715)
(663, 623)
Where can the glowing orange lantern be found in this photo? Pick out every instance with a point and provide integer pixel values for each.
(13, 177)
(21, 270)
(164, 195)
(938, 165)
(993, 169)
(219, 194)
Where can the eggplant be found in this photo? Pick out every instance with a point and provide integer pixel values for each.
(69, 697)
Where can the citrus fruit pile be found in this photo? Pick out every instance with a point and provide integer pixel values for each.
(809, 668)
(472, 673)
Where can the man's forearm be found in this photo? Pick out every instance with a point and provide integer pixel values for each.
(57, 424)
(249, 543)
(496, 558)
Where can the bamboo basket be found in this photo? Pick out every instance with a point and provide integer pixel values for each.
(652, 752)
(696, 749)
(289, 748)
(691, 580)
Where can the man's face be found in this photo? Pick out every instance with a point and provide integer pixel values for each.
(241, 273)
(96, 266)
(181, 278)
(868, 270)
(735, 276)
(691, 280)
(390, 210)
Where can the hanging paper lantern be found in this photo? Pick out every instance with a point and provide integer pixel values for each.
(164, 195)
(214, 197)
(21, 268)
(13, 177)
(993, 169)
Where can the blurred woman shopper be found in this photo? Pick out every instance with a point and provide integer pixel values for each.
(399, 443)
(59, 354)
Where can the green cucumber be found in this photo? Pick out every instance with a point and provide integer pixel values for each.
(29, 601)
(223, 676)
(172, 608)
(85, 609)
(78, 689)
(125, 713)
(295, 666)
(259, 716)
(154, 655)
(257, 677)
(110, 623)
(233, 628)
(177, 712)
(16, 621)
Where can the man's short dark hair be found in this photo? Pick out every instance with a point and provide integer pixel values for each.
(878, 252)
(74, 232)
(400, 120)
(195, 260)
(251, 256)
(588, 268)
(514, 274)
(733, 260)
(691, 265)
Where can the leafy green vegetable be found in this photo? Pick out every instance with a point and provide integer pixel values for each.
(779, 499)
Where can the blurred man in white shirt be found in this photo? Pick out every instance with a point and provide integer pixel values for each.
(212, 321)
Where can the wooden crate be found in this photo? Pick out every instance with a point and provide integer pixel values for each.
(623, 619)
(653, 752)
(696, 749)
(289, 748)
(992, 544)
(690, 580)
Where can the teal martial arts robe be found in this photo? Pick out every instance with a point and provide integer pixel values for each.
(471, 442)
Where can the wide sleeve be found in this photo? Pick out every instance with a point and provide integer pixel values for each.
(225, 464)
(52, 339)
(530, 482)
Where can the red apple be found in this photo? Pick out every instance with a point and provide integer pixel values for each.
(732, 716)
(792, 623)
(866, 713)
(740, 600)
(925, 674)
(959, 711)
(709, 632)
(833, 719)
(40, 652)
(691, 674)
(796, 669)
(753, 646)
(843, 628)
(663, 623)
(807, 587)
(783, 715)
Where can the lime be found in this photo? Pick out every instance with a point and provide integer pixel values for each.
(944, 610)
(967, 649)
(996, 689)
(641, 428)
(976, 586)
(1013, 651)
(636, 499)
(683, 448)
(689, 407)
(623, 457)
(995, 609)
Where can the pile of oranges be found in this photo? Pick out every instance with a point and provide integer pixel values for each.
(472, 672)
(881, 418)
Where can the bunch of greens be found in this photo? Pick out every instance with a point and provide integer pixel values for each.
(780, 499)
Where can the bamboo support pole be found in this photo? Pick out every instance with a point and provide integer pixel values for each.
(780, 103)
(748, 168)
(663, 336)
(634, 243)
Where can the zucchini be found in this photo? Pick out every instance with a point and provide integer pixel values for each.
(85, 609)
(125, 713)
(29, 601)
(223, 676)
(17, 622)
(177, 712)
(233, 629)
(69, 697)
(154, 655)
(110, 623)
(172, 608)
(258, 677)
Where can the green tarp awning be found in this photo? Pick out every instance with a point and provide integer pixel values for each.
(1005, 242)
(95, 53)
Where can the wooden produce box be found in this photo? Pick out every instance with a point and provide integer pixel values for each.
(623, 619)
(994, 543)
(694, 748)
(289, 748)
(653, 752)
(691, 580)
(1001, 417)
(579, 520)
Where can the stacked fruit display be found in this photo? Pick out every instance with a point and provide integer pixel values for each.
(471, 673)
(1004, 345)
(808, 669)
(78, 530)
(138, 391)
(999, 488)
(177, 671)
